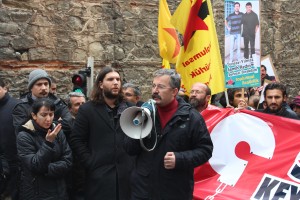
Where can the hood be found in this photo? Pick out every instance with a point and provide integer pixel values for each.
(29, 125)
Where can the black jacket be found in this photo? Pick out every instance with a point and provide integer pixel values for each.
(44, 164)
(97, 141)
(7, 130)
(4, 170)
(22, 113)
(187, 136)
(285, 111)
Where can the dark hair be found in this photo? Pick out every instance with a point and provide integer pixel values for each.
(237, 3)
(249, 4)
(2, 83)
(262, 66)
(97, 92)
(275, 85)
(231, 93)
(39, 103)
(136, 89)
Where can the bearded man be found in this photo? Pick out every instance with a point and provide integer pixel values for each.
(275, 101)
(200, 95)
(97, 140)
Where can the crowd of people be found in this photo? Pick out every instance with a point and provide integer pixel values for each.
(76, 149)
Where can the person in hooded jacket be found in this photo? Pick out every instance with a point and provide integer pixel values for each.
(44, 154)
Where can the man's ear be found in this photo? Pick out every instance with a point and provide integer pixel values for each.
(284, 98)
(175, 91)
(101, 84)
(208, 98)
(137, 98)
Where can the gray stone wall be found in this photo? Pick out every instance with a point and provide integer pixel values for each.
(59, 36)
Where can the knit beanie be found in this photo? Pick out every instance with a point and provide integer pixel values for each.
(35, 75)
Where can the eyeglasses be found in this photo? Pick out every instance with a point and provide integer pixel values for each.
(196, 92)
(129, 95)
(160, 87)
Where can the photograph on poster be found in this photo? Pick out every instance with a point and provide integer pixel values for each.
(242, 31)
(268, 71)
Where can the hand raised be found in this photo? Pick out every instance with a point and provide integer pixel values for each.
(51, 134)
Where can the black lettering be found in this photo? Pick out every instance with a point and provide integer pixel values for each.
(265, 189)
(280, 191)
(295, 194)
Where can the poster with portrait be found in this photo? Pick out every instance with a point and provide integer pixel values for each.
(268, 74)
(270, 69)
(242, 43)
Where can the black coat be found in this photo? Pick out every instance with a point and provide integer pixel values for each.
(187, 136)
(22, 113)
(97, 141)
(4, 170)
(44, 164)
(7, 130)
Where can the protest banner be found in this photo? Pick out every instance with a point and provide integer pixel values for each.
(256, 158)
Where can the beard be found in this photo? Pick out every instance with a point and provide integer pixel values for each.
(197, 102)
(274, 108)
(108, 94)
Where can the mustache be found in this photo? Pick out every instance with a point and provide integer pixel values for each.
(156, 96)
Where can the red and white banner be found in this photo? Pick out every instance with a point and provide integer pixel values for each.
(256, 156)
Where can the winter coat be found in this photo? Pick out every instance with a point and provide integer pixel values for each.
(4, 170)
(187, 136)
(97, 141)
(44, 164)
(22, 113)
(7, 130)
(285, 111)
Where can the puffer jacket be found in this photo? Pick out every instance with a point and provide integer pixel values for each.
(44, 164)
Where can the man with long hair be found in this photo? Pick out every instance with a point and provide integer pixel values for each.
(97, 140)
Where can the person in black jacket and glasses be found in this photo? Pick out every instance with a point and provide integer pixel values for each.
(44, 154)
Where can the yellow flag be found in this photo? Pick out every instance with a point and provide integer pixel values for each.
(199, 58)
(167, 37)
(165, 64)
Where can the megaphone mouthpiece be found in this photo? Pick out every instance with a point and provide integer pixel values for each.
(136, 122)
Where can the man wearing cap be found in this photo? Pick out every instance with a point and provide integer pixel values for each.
(39, 84)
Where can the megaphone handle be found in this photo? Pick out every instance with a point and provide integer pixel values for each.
(141, 140)
(145, 148)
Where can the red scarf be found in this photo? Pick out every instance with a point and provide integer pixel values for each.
(165, 113)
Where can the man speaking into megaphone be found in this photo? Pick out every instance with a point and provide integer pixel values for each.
(181, 140)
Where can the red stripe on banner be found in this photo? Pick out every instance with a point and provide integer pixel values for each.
(255, 157)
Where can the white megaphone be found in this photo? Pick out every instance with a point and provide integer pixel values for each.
(136, 122)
